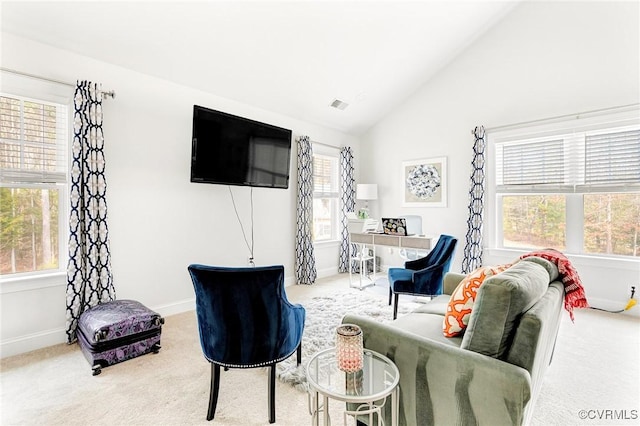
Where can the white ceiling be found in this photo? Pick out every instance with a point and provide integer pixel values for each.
(292, 57)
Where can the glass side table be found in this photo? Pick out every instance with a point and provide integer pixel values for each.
(377, 380)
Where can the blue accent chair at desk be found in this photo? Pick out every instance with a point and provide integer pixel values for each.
(245, 321)
(422, 277)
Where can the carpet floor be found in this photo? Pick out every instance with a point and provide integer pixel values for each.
(595, 368)
(323, 315)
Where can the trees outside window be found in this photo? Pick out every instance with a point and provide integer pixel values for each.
(33, 173)
(534, 221)
(29, 234)
(612, 224)
(325, 197)
(575, 189)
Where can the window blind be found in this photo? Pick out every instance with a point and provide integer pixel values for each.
(33, 141)
(578, 162)
(535, 163)
(613, 157)
(325, 176)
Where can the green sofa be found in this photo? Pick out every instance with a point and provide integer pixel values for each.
(492, 374)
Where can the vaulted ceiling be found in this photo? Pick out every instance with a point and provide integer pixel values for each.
(289, 57)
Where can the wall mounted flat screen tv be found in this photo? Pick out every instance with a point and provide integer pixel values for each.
(231, 150)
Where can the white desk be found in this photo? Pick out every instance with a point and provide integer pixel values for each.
(367, 244)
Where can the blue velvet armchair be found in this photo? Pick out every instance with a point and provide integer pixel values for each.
(422, 276)
(245, 321)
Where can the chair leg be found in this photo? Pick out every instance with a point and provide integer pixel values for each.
(213, 392)
(390, 293)
(395, 305)
(272, 393)
(299, 353)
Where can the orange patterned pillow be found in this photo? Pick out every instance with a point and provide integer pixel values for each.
(461, 303)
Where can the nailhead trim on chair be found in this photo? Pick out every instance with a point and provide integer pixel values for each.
(261, 364)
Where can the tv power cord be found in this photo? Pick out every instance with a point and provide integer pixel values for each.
(244, 235)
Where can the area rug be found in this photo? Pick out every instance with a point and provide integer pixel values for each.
(323, 315)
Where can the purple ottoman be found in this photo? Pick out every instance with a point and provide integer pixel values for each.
(116, 331)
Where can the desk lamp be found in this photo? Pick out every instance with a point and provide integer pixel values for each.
(366, 192)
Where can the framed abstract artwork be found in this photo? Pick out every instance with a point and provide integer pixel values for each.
(424, 182)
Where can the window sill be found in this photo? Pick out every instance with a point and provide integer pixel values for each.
(32, 282)
(326, 243)
(602, 261)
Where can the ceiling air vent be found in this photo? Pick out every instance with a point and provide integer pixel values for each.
(338, 104)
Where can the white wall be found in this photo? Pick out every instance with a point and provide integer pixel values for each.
(159, 222)
(544, 59)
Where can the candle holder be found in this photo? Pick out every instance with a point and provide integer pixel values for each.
(353, 382)
(349, 350)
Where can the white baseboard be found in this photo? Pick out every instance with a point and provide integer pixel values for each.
(320, 273)
(327, 272)
(43, 339)
(176, 308)
(31, 342)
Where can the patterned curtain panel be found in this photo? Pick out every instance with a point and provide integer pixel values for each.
(473, 247)
(305, 259)
(347, 204)
(89, 278)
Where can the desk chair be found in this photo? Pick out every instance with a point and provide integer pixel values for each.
(245, 321)
(422, 277)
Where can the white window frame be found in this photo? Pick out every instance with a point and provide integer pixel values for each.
(586, 123)
(332, 154)
(45, 92)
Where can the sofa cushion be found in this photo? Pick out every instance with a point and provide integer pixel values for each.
(537, 329)
(500, 302)
(427, 326)
(462, 299)
(437, 305)
(551, 267)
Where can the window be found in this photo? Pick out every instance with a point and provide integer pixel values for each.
(572, 186)
(33, 174)
(325, 197)
(534, 221)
